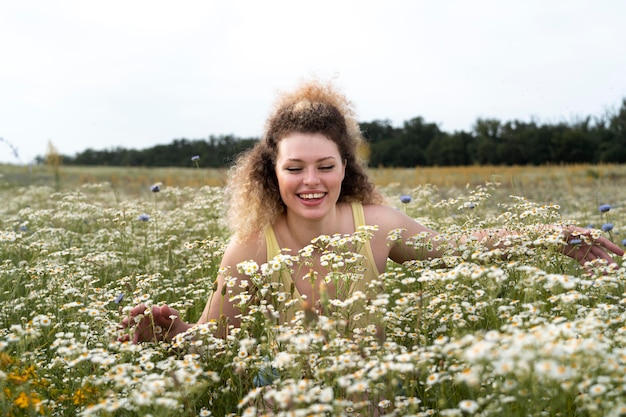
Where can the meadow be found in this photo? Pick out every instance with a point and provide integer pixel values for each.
(518, 331)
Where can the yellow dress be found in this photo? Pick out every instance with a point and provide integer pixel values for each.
(370, 270)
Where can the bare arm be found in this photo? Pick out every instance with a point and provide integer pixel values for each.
(583, 245)
(219, 307)
(164, 322)
(403, 228)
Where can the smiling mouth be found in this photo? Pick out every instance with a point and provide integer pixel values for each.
(311, 196)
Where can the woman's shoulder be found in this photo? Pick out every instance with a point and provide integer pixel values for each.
(388, 218)
(379, 210)
(247, 248)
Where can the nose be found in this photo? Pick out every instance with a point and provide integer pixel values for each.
(311, 177)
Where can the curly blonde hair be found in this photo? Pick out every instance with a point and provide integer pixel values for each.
(252, 193)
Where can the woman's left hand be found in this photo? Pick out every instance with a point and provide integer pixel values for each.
(585, 246)
(162, 323)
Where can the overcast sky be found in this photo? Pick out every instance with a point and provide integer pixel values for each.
(133, 73)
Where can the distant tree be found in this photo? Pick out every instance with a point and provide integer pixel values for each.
(449, 150)
(611, 134)
(521, 143)
(417, 135)
(487, 135)
(403, 147)
(377, 131)
(571, 145)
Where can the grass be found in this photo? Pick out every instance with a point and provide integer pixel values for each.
(526, 179)
(528, 334)
(126, 179)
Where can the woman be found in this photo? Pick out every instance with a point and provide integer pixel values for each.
(302, 180)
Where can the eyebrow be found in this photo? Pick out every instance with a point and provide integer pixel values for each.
(318, 160)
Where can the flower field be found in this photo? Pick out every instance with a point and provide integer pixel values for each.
(521, 331)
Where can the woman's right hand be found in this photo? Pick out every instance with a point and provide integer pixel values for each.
(160, 323)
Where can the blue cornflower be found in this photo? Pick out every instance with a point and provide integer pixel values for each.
(195, 157)
(604, 208)
(574, 241)
(143, 217)
(119, 298)
(623, 242)
(405, 198)
(607, 227)
(266, 375)
(156, 188)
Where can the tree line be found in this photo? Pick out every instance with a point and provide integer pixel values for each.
(415, 143)
(214, 152)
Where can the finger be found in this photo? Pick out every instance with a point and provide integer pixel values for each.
(588, 253)
(134, 312)
(610, 246)
(166, 311)
(136, 338)
(161, 315)
(138, 333)
(579, 253)
(601, 253)
(137, 310)
(169, 313)
(583, 254)
(573, 252)
(123, 324)
(590, 257)
(143, 332)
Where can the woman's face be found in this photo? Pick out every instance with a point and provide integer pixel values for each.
(310, 170)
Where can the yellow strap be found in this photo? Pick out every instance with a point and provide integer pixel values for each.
(359, 220)
(271, 242)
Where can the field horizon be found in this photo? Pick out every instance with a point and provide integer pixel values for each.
(453, 176)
